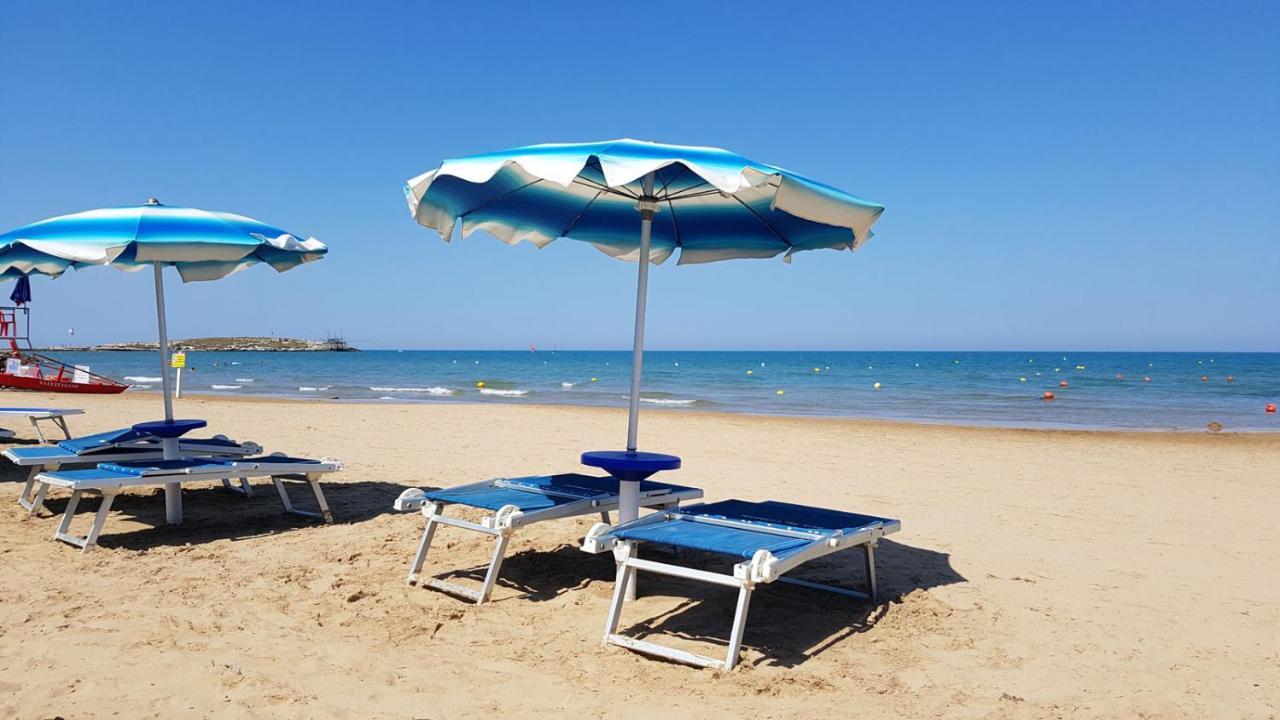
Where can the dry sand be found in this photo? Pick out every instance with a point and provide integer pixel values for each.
(1038, 574)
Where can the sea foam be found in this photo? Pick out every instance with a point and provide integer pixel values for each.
(425, 390)
(667, 401)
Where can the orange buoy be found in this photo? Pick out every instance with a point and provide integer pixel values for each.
(1204, 378)
(1062, 383)
(1271, 407)
(1049, 396)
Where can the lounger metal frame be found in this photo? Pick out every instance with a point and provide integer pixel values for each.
(32, 499)
(55, 416)
(509, 518)
(762, 568)
(278, 472)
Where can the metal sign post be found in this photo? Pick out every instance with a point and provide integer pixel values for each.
(178, 361)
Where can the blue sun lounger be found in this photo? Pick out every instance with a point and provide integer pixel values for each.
(57, 416)
(116, 446)
(517, 502)
(108, 479)
(769, 538)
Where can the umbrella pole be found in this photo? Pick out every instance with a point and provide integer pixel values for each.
(172, 491)
(629, 499)
(629, 492)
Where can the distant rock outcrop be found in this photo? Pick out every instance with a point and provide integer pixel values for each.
(228, 344)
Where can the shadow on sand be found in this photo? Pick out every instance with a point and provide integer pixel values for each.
(791, 624)
(212, 513)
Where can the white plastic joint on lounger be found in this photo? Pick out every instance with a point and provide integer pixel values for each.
(504, 521)
(108, 484)
(41, 459)
(762, 568)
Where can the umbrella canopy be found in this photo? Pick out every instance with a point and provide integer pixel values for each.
(708, 203)
(711, 204)
(201, 244)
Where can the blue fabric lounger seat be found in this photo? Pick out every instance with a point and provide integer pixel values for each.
(117, 445)
(768, 538)
(517, 502)
(108, 479)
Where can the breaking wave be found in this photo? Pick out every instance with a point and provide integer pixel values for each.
(503, 392)
(426, 390)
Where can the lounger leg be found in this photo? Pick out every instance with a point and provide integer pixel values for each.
(421, 557)
(244, 488)
(870, 552)
(37, 502)
(626, 574)
(67, 515)
(284, 495)
(61, 422)
(24, 499)
(491, 577)
(633, 585)
(739, 627)
(604, 517)
(39, 433)
(314, 481)
(99, 520)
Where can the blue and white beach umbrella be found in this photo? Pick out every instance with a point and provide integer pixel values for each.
(708, 203)
(201, 244)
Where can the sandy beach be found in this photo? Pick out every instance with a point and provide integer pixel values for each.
(1038, 574)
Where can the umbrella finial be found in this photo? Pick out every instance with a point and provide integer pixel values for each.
(153, 201)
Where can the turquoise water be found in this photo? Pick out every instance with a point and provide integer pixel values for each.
(961, 387)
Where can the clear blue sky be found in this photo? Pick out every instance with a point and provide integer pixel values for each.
(1084, 175)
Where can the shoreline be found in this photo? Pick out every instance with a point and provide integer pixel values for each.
(646, 410)
(702, 413)
(1161, 393)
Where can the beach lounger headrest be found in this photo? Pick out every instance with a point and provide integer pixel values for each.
(786, 516)
(111, 438)
(585, 486)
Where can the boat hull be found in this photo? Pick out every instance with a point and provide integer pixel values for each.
(19, 382)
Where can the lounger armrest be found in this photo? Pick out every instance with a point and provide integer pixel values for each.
(504, 519)
(761, 568)
(599, 539)
(410, 500)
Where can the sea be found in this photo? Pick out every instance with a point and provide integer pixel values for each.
(1091, 390)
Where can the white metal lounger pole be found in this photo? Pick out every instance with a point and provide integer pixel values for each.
(172, 491)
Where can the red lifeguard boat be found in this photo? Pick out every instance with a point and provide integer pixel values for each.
(25, 369)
